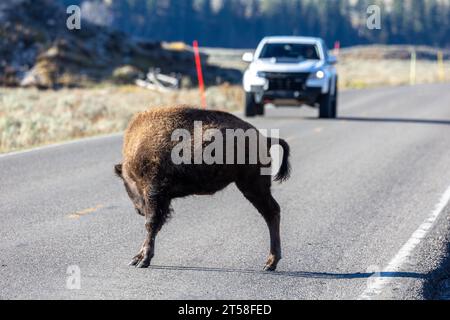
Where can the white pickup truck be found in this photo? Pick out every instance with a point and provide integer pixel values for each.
(291, 71)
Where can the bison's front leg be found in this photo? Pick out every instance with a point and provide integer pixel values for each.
(156, 211)
(145, 255)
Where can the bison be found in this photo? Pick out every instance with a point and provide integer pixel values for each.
(152, 178)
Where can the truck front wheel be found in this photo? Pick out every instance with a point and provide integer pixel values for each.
(325, 106)
(260, 109)
(334, 104)
(328, 106)
(252, 108)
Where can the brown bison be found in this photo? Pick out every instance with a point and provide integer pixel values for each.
(152, 177)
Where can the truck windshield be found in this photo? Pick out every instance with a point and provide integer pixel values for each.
(294, 51)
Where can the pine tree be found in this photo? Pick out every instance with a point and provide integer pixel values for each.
(242, 23)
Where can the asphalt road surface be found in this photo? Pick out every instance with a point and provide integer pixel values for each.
(362, 185)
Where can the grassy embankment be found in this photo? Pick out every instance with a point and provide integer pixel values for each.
(29, 117)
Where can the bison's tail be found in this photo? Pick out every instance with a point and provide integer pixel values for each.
(285, 169)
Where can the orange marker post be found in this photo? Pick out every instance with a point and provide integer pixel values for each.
(201, 83)
(337, 48)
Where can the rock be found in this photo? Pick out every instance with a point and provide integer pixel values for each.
(40, 76)
(126, 74)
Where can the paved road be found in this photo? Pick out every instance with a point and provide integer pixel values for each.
(361, 186)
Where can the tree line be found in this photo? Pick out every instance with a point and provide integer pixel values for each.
(242, 23)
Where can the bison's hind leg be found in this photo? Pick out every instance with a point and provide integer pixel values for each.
(257, 191)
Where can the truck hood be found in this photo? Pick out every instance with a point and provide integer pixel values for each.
(272, 65)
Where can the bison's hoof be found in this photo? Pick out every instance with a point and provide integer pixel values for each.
(135, 261)
(270, 268)
(272, 262)
(141, 260)
(144, 264)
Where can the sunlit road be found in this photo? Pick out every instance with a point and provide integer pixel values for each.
(361, 186)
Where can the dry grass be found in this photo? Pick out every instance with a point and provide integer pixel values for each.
(367, 73)
(29, 117)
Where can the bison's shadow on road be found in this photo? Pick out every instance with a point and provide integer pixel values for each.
(296, 274)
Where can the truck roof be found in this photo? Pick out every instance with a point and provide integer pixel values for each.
(291, 39)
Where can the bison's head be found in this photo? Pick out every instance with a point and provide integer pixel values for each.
(132, 190)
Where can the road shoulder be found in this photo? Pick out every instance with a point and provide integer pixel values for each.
(431, 259)
(437, 283)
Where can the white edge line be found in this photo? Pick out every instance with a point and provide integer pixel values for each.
(55, 145)
(375, 287)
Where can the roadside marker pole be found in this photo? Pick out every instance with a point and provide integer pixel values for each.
(441, 71)
(201, 82)
(337, 48)
(412, 73)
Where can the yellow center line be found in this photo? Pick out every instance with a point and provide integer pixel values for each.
(79, 214)
(318, 130)
(291, 138)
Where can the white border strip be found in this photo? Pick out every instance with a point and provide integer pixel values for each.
(55, 145)
(375, 286)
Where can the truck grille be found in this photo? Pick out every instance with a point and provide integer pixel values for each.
(287, 81)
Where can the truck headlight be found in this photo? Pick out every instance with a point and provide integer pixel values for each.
(320, 74)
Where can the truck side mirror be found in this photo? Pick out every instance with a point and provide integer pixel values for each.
(332, 59)
(248, 57)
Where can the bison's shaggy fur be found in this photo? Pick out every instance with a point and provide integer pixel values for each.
(152, 179)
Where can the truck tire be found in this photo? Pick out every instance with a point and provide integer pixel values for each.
(250, 105)
(328, 105)
(325, 106)
(334, 103)
(260, 110)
